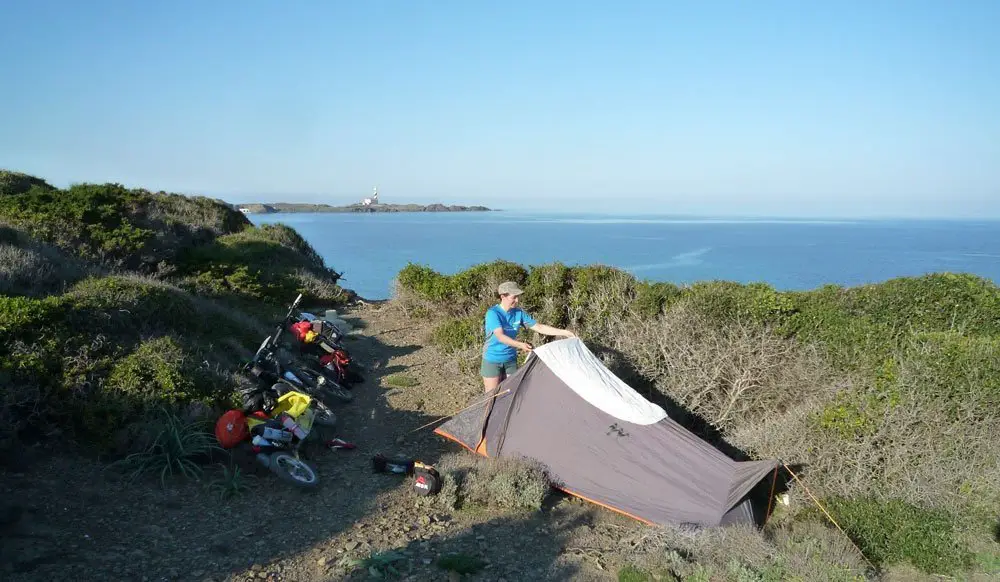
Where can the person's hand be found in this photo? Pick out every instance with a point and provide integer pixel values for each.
(568, 333)
(526, 346)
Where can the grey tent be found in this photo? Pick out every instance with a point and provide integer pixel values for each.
(600, 440)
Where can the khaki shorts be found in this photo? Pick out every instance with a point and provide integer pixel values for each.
(493, 369)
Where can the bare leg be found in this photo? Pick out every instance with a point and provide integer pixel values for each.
(490, 384)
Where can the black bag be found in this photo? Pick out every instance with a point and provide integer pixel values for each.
(382, 464)
(427, 481)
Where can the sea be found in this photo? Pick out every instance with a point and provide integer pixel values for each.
(371, 248)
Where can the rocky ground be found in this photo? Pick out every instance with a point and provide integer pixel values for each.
(67, 518)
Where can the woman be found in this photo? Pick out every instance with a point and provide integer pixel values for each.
(503, 321)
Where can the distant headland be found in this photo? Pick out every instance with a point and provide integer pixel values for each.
(261, 208)
(369, 204)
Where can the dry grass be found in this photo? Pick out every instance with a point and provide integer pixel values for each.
(409, 303)
(726, 375)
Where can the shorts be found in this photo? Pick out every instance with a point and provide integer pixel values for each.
(493, 369)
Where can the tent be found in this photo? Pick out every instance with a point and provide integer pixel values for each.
(600, 440)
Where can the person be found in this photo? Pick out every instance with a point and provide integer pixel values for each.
(502, 323)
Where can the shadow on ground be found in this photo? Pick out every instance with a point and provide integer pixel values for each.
(70, 518)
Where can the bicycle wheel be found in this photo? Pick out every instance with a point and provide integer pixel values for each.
(296, 471)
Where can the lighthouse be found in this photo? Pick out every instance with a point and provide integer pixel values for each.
(373, 199)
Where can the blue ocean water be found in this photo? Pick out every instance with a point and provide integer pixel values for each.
(370, 249)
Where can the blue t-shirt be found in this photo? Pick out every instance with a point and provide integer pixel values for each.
(511, 322)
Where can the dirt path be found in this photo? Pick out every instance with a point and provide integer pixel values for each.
(68, 519)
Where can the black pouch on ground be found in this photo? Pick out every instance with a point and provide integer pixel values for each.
(427, 481)
(398, 465)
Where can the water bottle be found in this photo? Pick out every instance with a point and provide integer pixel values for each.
(291, 425)
(274, 434)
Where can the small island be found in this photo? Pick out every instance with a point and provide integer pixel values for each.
(260, 208)
(370, 204)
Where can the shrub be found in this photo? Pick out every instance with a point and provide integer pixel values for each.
(425, 282)
(545, 293)
(504, 483)
(79, 359)
(28, 267)
(271, 263)
(117, 226)
(653, 298)
(12, 183)
(93, 221)
(725, 301)
(728, 375)
(456, 334)
(462, 293)
(893, 532)
(476, 287)
(159, 372)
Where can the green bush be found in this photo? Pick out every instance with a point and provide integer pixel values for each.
(960, 370)
(271, 263)
(117, 226)
(457, 334)
(463, 292)
(894, 532)
(12, 183)
(651, 299)
(79, 359)
(105, 351)
(727, 301)
(157, 371)
(425, 282)
(28, 267)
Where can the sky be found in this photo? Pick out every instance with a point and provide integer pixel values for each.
(769, 108)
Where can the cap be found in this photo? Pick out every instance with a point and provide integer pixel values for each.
(509, 288)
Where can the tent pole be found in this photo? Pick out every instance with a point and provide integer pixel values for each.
(463, 410)
(770, 498)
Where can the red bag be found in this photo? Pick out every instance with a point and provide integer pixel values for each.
(300, 330)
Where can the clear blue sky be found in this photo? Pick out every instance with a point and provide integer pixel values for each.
(851, 108)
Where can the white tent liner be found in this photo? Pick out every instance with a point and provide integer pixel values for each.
(584, 373)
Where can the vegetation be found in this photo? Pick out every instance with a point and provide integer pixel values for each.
(887, 393)
(116, 303)
(401, 381)
(471, 482)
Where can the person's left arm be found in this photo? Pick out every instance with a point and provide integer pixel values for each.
(545, 329)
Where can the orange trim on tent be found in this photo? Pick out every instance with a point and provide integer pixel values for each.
(453, 438)
(605, 506)
(481, 450)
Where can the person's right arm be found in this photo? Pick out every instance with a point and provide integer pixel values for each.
(504, 339)
(493, 323)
